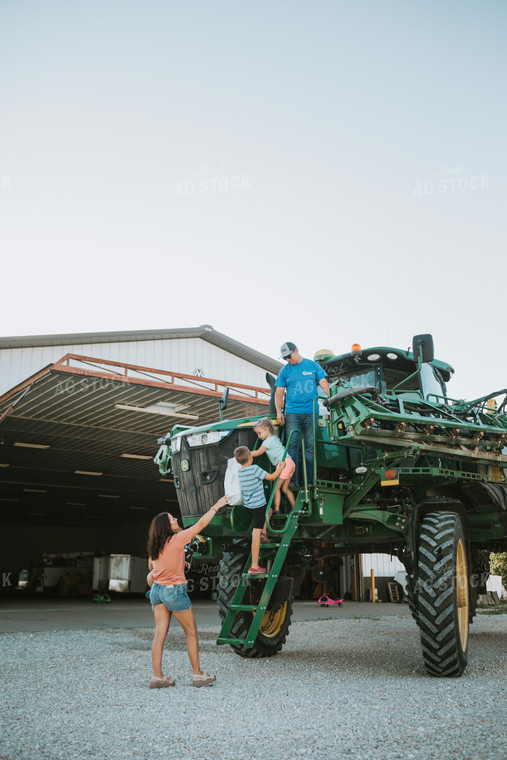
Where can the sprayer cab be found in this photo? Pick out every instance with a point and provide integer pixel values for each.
(391, 369)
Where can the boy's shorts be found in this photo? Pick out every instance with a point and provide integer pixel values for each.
(258, 516)
(288, 470)
(175, 598)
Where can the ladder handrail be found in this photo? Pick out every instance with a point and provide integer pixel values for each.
(280, 531)
(315, 426)
(315, 416)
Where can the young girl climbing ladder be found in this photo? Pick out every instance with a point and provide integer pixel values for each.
(273, 447)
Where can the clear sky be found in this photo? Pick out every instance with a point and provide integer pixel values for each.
(320, 172)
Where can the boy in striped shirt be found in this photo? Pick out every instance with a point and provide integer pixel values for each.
(252, 492)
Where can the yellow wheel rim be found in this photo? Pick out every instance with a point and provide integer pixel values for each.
(273, 621)
(462, 594)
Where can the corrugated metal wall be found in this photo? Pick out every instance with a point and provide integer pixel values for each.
(383, 565)
(186, 355)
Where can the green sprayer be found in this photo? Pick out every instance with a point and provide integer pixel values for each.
(400, 468)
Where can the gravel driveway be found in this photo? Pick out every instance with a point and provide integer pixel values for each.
(340, 689)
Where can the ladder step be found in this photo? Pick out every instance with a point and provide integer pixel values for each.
(257, 575)
(225, 640)
(244, 607)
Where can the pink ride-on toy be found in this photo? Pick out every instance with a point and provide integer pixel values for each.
(326, 600)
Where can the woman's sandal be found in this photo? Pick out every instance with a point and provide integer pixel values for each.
(205, 679)
(161, 683)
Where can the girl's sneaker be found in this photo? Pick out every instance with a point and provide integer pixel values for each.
(257, 571)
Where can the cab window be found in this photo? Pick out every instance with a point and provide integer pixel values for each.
(431, 381)
(394, 376)
(362, 378)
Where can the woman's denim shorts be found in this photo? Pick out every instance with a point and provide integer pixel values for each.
(175, 598)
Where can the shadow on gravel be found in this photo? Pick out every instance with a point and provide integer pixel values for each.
(495, 639)
(141, 640)
(388, 662)
(382, 654)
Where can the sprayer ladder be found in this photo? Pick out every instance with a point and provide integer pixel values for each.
(271, 578)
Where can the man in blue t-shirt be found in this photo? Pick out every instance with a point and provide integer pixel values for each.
(298, 381)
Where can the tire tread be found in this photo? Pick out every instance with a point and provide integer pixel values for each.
(433, 596)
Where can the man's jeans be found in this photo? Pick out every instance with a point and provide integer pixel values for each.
(304, 423)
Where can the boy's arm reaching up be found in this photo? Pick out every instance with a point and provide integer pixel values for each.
(276, 473)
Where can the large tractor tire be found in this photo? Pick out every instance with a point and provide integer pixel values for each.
(442, 594)
(275, 623)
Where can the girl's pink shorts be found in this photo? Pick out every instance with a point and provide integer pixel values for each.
(289, 468)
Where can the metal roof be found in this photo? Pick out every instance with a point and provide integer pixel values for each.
(205, 332)
(65, 434)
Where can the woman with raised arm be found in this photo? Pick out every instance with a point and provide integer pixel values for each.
(168, 596)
